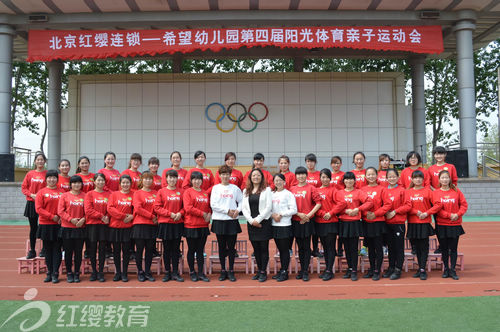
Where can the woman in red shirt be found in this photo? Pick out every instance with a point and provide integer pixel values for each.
(83, 171)
(175, 159)
(413, 162)
(350, 221)
(338, 182)
(72, 212)
(359, 171)
(32, 183)
(153, 165)
(449, 221)
(168, 208)
(145, 226)
(112, 175)
(96, 211)
(439, 154)
(46, 203)
(132, 171)
(374, 223)
(284, 166)
(63, 182)
(120, 226)
(236, 176)
(384, 160)
(418, 200)
(198, 213)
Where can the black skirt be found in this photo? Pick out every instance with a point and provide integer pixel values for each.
(48, 232)
(304, 230)
(196, 233)
(119, 234)
(263, 233)
(67, 233)
(349, 229)
(226, 227)
(168, 232)
(282, 232)
(29, 210)
(393, 229)
(374, 229)
(419, 231)
(323, 229)
(97, 232)
(144, 231)
(443, 232)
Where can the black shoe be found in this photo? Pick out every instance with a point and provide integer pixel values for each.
(388, 273)
(55, 278)
(340, 253)
(203, 277)
(347, 274)
(167, 277)
(299, 275)
(132, 256)
(193, 276)
(282, 276)
(48, 278)
(93, 276)
(177, 277)
(70, 278)
(417, 274)
(438, 250)
(263, 277)
(149, 277)
(256, 276)
(354, 276)
(396, 274)
(315, 253)
(31, 254)
(413, 251)
(423, 275)
(322, 275)
(446, 273)
(117, 277)
(277, 275)
(77, 277)
(376, 276)
(100, 277)
(328, 276)
(223, 275)
(231, 276)
(453, 274)
(305, 276)
(86, 254)
(156, 253)
(124, 277)
(320, 254)
(42, 253)
(141, 277)
(368, 275)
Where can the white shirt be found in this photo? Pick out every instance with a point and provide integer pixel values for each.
(265, 206)
(224, 198)
(284, 204)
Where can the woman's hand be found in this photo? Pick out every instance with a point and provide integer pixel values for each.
(277, 217)
(454, 217)
(370, 215)
(128, 218)
(327, 216)
(390, 215)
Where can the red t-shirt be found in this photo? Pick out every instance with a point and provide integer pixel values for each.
(360, 178)
(156, 182)
(306, 197)
(434, 170)
(396, 196)
(63, 183)
(143, 203)
(420, 200)
(236, 178)
(405, 177)
(290, 180)
(136, 178)
(168, 202)
(338, 180)
(329, 204)
(451, 201)
(354, 199)
(313, 178)
(195, 204)
(96, 207)
(32, 183)
(380, 205)
(180, 179)
(71, 206)
(46, 204)
(208, 179)
(119, 205)
(88, 182)
(382, 178)
(112, 179)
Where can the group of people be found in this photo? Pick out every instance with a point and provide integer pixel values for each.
(132, 210)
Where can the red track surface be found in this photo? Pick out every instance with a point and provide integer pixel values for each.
(480, 278)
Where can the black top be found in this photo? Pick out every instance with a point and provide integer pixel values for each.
(253, 201)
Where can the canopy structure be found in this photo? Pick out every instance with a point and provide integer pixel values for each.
(465, 25)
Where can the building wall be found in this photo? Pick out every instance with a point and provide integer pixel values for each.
(323, 113)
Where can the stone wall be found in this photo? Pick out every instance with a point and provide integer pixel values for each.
(12, 201)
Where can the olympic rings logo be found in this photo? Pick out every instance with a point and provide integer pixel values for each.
(236, 119)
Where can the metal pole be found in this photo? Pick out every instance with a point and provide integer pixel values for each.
(54, 113)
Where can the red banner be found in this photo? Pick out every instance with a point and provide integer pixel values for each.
(47, 45)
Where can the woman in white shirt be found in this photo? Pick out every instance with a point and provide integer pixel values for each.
(225, 201)
(257, 206)
(284, 207)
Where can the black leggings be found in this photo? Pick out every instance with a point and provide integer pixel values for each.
(315, 243)
(396, 245)
(422, 247)
(227, 245)
(53, 256)
(283, 245)
(375, 252)
(261, 252)
(92, 248)
(33, 228)
(171, 255)
(146, 246)
(351, 252)
(196, 245)
(122, 247)
(328, 243)
(304, 245)
(73, 247)
(449, 251)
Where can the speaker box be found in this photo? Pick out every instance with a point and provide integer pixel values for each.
(7, 162)
(459, 158)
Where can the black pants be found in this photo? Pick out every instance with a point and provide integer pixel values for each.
(171, 255)
(53, 256)
(93, 248)
(261, 252)
(449, 251)
(304, 245)
(315, 243)
(196, 245)
(147, 246)
(227, 249)
(328, 243)
(422, 247)
(339, 244)
(351, 252)
(375, 252)
(122, 247)
(283, 245)
(33, 228)
(73, 247)
(396, 245)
